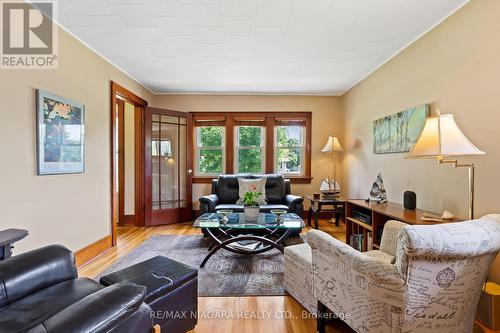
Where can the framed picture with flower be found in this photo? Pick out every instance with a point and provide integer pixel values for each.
(60, 134)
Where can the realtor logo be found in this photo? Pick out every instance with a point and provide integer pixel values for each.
(29, 36)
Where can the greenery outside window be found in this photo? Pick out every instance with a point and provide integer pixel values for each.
(209, 157)
(249, 149)
(289, 150)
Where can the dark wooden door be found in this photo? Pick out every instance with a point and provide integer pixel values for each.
(167, 178)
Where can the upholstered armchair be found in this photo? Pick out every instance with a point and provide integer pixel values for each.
(431, 284)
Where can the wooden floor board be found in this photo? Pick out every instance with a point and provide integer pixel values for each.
(273, 314)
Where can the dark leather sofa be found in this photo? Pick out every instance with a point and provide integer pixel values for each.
(40, 292)
(225, 193)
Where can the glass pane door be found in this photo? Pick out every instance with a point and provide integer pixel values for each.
(168, 141)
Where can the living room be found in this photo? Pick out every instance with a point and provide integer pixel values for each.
(312, 82)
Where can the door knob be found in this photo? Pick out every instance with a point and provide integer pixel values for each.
(190, 171)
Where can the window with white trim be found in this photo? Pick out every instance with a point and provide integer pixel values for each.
(250, 154)
(289, 149)
(210, 151)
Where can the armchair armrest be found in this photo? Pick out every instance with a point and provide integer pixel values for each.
(35, 270)
(295, 204)
(363, 264)
(293, 199)
(100, 311)
(208, 203)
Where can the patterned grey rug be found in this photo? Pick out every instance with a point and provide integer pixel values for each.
(225, 274)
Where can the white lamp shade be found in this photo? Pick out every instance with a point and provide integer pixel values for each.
(440, 138)
(332, 145)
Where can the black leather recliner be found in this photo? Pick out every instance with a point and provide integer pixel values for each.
(40, 292)
(225, 193)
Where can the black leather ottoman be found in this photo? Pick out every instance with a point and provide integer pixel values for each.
(172, 291)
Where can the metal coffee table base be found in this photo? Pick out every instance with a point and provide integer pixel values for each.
(269, 244)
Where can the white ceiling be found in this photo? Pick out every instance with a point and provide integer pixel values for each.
(250, 46)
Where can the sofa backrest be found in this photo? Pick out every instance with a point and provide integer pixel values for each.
(227, 187)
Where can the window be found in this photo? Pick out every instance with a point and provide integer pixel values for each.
(209, 150)
(251, 142)
(289, 150)
(249, 149)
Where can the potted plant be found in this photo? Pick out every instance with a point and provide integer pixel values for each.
(251, 200)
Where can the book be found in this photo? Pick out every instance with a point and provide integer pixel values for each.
(369, 241)
(358, 242)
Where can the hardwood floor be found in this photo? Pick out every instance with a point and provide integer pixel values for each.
(273, 314)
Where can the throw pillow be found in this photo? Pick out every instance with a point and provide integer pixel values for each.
(257, 185)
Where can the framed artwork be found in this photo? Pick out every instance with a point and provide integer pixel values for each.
(399, 132)
(60, 134)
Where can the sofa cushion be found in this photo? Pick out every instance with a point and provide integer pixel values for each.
(275, 189)
(239, 208)
(228, 189)
(268, 208)
(381, 256)
(34, 309)
(234, 207)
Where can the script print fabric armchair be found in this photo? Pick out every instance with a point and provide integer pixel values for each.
(434, 284)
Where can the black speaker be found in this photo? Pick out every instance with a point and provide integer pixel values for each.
(410, 200)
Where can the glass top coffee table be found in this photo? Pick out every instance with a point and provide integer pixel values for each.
(235, 234)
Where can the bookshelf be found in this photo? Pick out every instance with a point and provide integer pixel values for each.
(378, 214)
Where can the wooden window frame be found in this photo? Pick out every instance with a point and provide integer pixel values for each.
(269, 120)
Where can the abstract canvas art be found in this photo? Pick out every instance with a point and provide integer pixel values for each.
(399, 132)
(60, 134)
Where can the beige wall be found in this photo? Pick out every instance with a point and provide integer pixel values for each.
(327, 119)
(129, 157)
(73, 210)
(456, 68)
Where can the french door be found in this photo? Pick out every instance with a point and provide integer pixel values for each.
(167, 178)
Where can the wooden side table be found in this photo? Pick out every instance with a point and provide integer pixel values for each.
(7, 239)
(337, 204)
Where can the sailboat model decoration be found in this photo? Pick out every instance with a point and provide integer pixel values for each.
(330, 187)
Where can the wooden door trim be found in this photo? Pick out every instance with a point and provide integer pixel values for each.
(139, 103)
(121, 161)
(189, 164)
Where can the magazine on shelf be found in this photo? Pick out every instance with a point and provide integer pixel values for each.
(246, 245)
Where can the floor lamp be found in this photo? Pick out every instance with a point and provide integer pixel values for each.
(441, 139)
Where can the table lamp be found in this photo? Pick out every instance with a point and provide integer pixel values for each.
(441, 139)
(331, 147)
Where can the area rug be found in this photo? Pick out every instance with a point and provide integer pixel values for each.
(225, 274)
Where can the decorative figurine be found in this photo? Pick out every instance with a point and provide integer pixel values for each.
(377, 193)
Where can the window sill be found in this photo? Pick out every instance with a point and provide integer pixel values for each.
(293, 180)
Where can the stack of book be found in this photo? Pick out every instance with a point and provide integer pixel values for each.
(356, 241)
